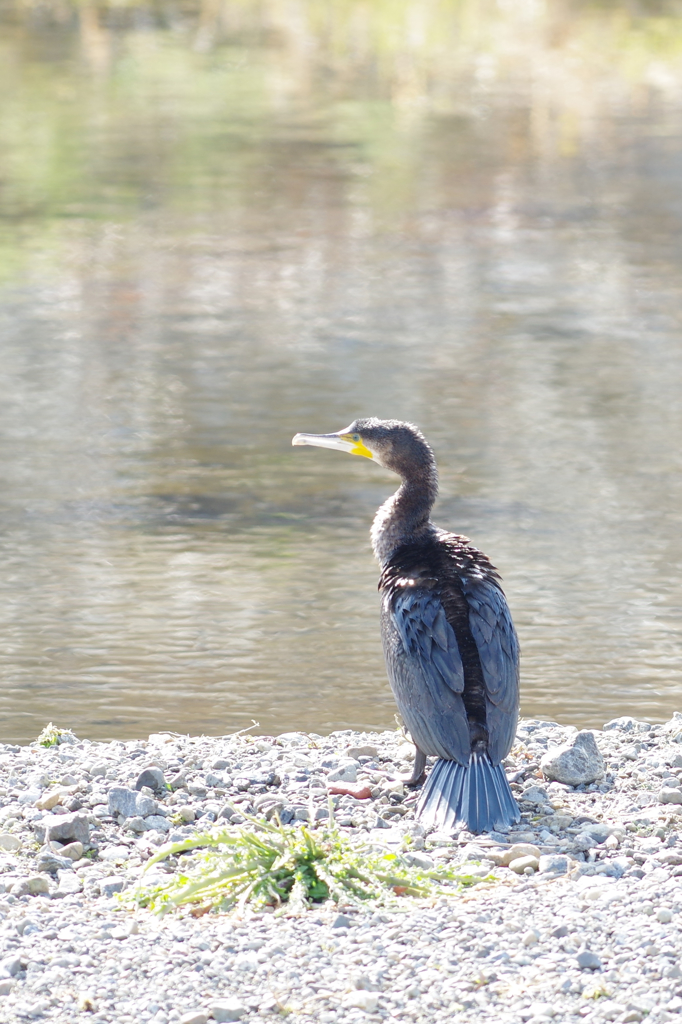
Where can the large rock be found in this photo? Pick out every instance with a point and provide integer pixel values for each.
(577, 762)
(153, 778)
(130, 803)
(67, 828)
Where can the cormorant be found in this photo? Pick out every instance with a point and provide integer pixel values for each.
(450, 646)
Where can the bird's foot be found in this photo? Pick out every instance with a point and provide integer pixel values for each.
(418, 772)
(412, 781)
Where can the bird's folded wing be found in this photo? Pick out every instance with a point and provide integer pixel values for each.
(428, 637)
(498, 648)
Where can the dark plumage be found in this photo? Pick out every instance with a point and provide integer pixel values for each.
(450, 646)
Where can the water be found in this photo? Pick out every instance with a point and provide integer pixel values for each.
(222, 226)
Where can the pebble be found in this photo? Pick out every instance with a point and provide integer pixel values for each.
(670, 795)
(598, 911)
(587, 960)
(553, 864)
(519, 864)
(518, 851)
(227, 1010)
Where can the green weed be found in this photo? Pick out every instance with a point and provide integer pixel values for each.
(51, 736)
(287, 867)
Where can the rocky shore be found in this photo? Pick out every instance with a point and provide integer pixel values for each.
(577, 915)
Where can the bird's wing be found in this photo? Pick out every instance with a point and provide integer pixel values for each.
(428, 638)
(425, 670)
(498, 648)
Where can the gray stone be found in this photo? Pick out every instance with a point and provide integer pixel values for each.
(587, 960)
(521, 864)
(598, 830)
(367, 751)
(9, 842)
(671, 857)
(294, 739)
(228, 1009)
(178, 781)
(122, 801)
(537, 795)
(35, 885)
(39, 1009)
(158, 822)
(136, 824)
(670, 795)
(111, 885)
(346, 773)
(52, 863)
(577, 762)
(341, 921)
(623, 724)
(419, 860)
(584, 842)
(194, 1017)
(553, 864)
(619, 865)
(67, 828)
(69, 883)
(6, 986)
(129, 803)
(29, 796)
(152, 777)
(74, 851)
(10, 965)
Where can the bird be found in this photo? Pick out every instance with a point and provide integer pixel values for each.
(451, 650)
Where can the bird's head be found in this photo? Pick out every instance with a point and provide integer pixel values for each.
(400, 447)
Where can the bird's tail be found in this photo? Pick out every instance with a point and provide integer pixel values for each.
(477, 795)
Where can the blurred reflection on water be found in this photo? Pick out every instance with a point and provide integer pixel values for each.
(220, 226)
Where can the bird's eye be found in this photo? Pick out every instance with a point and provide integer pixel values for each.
(356, 437)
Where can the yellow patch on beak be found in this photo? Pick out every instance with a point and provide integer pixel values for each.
(358, 447)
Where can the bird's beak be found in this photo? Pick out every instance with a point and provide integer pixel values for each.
(342, 441)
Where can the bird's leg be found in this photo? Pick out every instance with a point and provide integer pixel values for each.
(417, 775)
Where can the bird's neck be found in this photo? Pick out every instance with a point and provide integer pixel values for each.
(405, 517)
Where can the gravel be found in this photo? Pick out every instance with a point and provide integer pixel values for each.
(576, 915)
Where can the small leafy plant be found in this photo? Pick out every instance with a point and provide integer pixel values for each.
(51, 736)
(286, 867)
